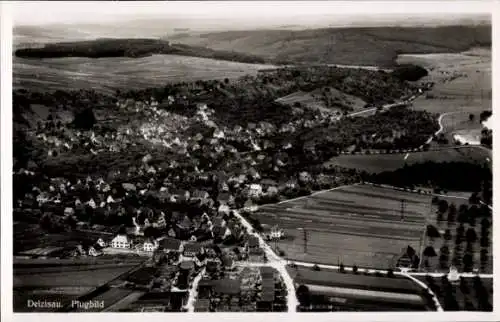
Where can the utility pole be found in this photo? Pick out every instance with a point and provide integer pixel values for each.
(403, 206)
(305, 241)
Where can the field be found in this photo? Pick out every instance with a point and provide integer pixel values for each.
(375, 163)
(342, 45)
(356, 225)
(108, 74)
(85, 276)
(463, 81)
(314, 100)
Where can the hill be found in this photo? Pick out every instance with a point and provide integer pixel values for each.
(107, 47)
(357, 46)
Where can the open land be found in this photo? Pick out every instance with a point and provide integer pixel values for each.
(358, 225)
(109, 74)
(375, 163)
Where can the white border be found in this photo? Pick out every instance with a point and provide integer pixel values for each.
(366, 7)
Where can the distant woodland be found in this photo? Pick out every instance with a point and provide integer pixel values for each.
(129, 48)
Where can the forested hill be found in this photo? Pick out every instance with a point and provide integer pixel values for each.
(138, 47)
(369, 46)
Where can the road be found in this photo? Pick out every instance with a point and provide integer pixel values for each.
(193, 291)
(276, 262)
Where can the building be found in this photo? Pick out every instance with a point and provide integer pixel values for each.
(253, 242)
(150, 245)
(192, 249)
(255, 190)
(95, 251)
(276, 233)
(170, 245)
(228, 263)
(121, 241)
(330, 290)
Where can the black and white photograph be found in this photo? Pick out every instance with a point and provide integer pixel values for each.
(232, 156)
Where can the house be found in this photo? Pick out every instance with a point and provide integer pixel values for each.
(225, 198)
(276, 233)
(121, 241)
(227, 286)
(150, 245)
(228, 263)
(101, 243)
(186, 265)
(95, 251)
(200, 195)
(192, 249)
(255, 190)
(221, 232)
(170, 245)
(253, 242)
(218, 222)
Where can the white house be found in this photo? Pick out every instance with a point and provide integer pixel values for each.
(94, 252)
(276, 233)
(150, 246)
(255, 190)
(101, 242)
(121, 241)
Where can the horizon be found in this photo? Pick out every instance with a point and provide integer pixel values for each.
(248, 15)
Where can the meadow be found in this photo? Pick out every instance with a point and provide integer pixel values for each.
(108, 74)
(355, 225)
(462, 81)
(376, 163)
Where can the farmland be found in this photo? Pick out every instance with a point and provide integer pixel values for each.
(318, 100)
(356, 225)
(108, 74)
(375, 163)
(462, 81)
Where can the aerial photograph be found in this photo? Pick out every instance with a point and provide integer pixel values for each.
(251, 157)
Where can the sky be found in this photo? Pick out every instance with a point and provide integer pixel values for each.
(45, 13)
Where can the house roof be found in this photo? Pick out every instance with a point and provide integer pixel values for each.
(227, 286)
(218, 221)
(268, 182)
(224, 196)
(266, 271)
(187, 265)
(227, 261)
(121, 239)
(199, 194)
(219, 231)
(192, 247)
(253, 241)
(170, 244)
(186, 223)
(335, 279)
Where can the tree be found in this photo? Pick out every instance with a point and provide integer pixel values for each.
(447, 234)
(442, 206)
(390, 273)
(471, 117)
(463, 215)
(432, 232)
(85, 119)
(341, 268)
(355, 269)
(468, 262)
(303, 295)
(452, 212)
(460, 234)
(429, 251)
(471, 235)
(316, 267)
